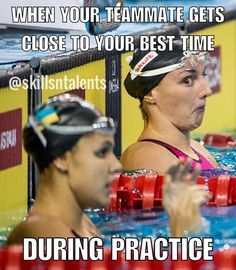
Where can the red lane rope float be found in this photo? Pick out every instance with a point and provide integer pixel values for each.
(126, 185)
(222, 190)
(149, 190)
(138, 200)
(158, 191)
(219, 188)
(201, 181)
(11, 258)
(146, 191)
(219, 140)
(232, 191)
(225, 259)
(113, 195)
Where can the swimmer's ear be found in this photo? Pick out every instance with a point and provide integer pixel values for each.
(150, 98)
(61, 164)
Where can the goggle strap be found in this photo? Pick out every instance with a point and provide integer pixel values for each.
(149, 73)
(37, 131)
(66, 130)
(154, 72)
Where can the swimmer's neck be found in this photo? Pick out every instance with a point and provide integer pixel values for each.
(53, 192)
(165, 131)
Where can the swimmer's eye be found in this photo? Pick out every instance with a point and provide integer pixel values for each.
(188, 81)
(103, 152)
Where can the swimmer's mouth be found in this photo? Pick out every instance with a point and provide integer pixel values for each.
(200, 109)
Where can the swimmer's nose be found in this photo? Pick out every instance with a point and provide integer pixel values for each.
(115, 166)
(206, 91)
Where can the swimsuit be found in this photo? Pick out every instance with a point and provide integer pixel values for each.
(205, 164)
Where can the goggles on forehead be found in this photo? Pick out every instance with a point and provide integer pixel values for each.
(195, 58)
(45, 117)
(191, 58)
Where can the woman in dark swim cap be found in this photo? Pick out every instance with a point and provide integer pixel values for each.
(72, 144)
(172, 91)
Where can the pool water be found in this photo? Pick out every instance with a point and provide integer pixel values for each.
(220, 222)
(226, 157)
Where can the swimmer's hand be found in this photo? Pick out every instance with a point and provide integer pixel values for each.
(182, 199)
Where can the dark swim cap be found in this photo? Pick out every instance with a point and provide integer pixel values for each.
(138, 86)
(58, 124)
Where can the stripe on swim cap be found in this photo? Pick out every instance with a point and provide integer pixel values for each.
(50, 119)
(47, 115)
(44, 112)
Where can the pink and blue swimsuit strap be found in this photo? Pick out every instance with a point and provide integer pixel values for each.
(205, 164)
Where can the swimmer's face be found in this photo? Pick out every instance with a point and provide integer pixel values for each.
(91, 166)
(181, 96)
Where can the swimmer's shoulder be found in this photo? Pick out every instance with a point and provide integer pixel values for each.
(36, 227)
(147, 155)
(203, 151)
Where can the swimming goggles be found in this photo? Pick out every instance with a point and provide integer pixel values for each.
(191, 58)
(44, 118)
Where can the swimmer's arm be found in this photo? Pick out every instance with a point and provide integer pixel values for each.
(146, 155)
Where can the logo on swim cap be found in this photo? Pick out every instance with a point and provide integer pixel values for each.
(145, 61)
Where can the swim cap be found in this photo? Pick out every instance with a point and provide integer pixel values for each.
(137, 85)
(149, 68)
(58, 124)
